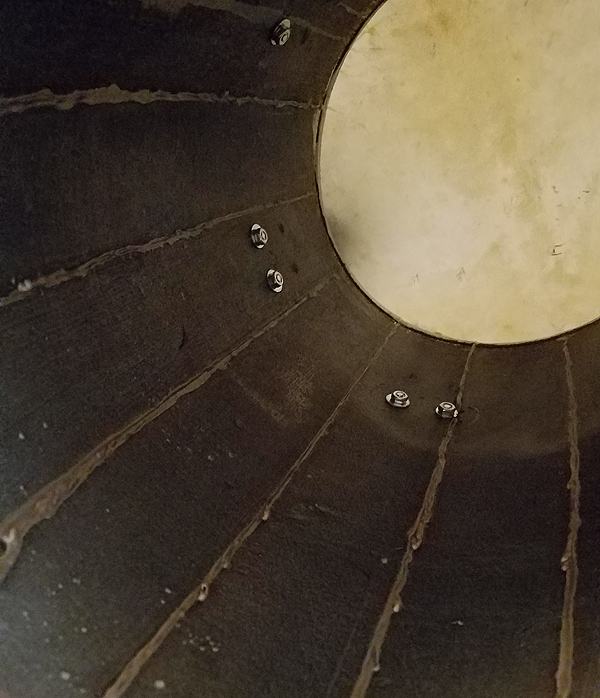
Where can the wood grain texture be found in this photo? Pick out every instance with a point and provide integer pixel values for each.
(586, 612)
(87, 357)
(159, 512)
(93, 179)
(182, 182)
(295, 613)
(96, 43)
(481, 613)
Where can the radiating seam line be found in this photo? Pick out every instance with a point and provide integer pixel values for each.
(46, 502)
(414, 540)
(134, 666)
(355, 13)
(113, 94)
(564, 673)
(62, 275)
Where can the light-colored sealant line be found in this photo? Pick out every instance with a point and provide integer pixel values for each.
(46, 502)
(362, 14)
(200, 592)
(350, 10)
(414, 540)
(564, 673)
(115, 95)
(26, 287)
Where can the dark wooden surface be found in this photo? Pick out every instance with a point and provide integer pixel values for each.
(296, 612)
(294, 615)
(482, 607)
(94, 43)
(583, 349)
(93, 179)
(87, 357)
(158, 514)
(586, 674)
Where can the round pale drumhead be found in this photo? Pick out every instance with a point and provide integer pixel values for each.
(460, 165)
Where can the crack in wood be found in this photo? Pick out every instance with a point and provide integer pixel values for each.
(113, 94)
(564, 673)
(25, 288)
(135, 665)
(46, 502)
(414, 540)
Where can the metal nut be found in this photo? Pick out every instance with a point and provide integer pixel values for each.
(258, 236)
(275, 280)
(398, 399)
(281, 33)
(446, 410)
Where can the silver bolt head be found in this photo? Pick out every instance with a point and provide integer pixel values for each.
(446, 410)
(275, 280)
(258, 236)
(281, 33)
(398, 399)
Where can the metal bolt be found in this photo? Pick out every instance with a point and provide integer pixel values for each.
(281, 33)
(398, 399)
(446, 410)
(275, 280)
(258, 236)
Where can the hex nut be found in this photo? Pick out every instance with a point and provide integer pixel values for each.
(398, 399)
(275, 280)
(258, 236)
(446, 410)
(280, 34)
